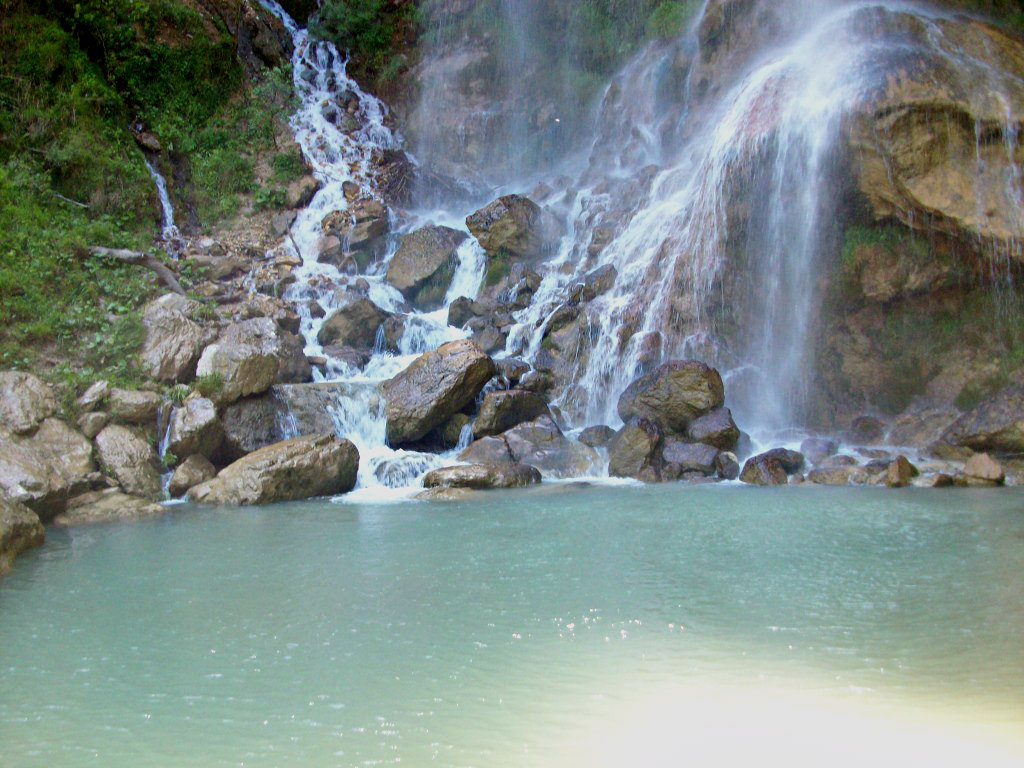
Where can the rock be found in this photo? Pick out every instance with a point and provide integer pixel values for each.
(356, 324)
(362, 228)
(983, 467)
(130, 459)
(818, 449)
(715, 428)
(995, 424)
(490, 339)
(46, 468)
(938, 480)
(680, 458)
(447, 494)
(91, 423)
(106, 506)
(837, 476)
(727, 465)
(281, 223)
(516, 226)
(512, 370)
(921, 426)
(598, 436)
(483, 476)
(24, 402)
(250, 356)
(598, 282)
(438, 384)
(20, 530)
(840, 460)
(505, 409)
(633, 452)
(191, 472)
(673, 395)
(451, 432)
(424, 264)
(764, 470)
(866, 429)
(301, 468)
(249, 424)
(461, 311)
(174, 341)
(93, 397)
(541, 444)
(130, 406)
(900, 473)
(301, 191)
(195, 428)
(947, 452)
(487, 450)
(791, 461)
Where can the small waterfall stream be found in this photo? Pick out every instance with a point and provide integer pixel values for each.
(169, 229)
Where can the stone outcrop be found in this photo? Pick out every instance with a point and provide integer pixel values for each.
(424, 264)
(634, 450)
(436, 386)
(504, 409)
(673, 395)
(174, 340)
(995, 424)
(764, 470)
(24, 402)
(487, 450)
(44, 469)
(191, 472)
(195, 428)
(130, 459)
(134, 406)
(598, 436)
(20, 530)
(301, 468)
(355, 324)
(107, 506)
(483, 476)
(515, 226)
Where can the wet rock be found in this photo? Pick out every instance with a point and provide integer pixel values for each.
(424, 264)
(447, 494)
(680, 458)
(191, 472)
(281, 223)
(922, 426)
(727, 465)
(24, 402)
(483, 476)
(840, 460)
(91, 423)
(131, 406)
(174, 340)
(451, 433)
(249, 424)
(598, 436)
(195, 429)
(937, 480)
(301, 468)
(20, 530)
(867, 430)
(982, 467)
(598, 282)
(106, 506)
(44, 469)
(512, 370)
(301, 191)
(131, 459)
(93, 397)
(790, 461)
(490, 339)
(633, 452)
(541, 444)
(764, 470)
(461, 311)
(673, 395)
(818, 449)
(995, 424)
(516, 226)
(436, 386)
(504, 409)
(487, 450)
(715, 428)
(363, 227)
(356, 324)
(849, 475)
(900, 473)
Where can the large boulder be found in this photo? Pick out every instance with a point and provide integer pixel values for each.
(673, 395)
(354, 325)
(436, 386)
(301, 468)
(130, 459)
(191, 472)
(195, 428)
(424, 264)
(24, 402)
(250, 356)
(43, 470)
(515, 226)
(483, 476)
(764, 470)
(634, 451)
(541, 444)
(715, 428)
(107, 506)
(487, 450)
(174, 340)
(504, 409)
(135, 406)
(995, 424)
(20, 530)
(250, 424)
(680, 458)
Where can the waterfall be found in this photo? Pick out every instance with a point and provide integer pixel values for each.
(168, 229)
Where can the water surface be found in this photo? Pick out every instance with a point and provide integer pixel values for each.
(557, 626)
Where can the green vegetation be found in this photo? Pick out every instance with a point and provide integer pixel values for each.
(209, 385)
(498, 266)
(373, 32)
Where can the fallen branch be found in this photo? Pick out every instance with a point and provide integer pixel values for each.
(69, 200)
(146, 260)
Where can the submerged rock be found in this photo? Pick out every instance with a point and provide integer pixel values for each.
(483, 476)
(20, 530)
(24, 402)
(673, 395)
(424, 264)
(301, 468)
(504, 409)
(107, 506)
(436, 386)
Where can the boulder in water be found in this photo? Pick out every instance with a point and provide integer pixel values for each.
(487, 450)
(356, 324)
(20, 530)
(504, 409)
(515, 227)
(598, 436)
(848, 475)
(679, 458)
(436, 386)
(131, 459)
(818, 449)
(301, 468)
(995, 424)
(483, 476)
(541, 444)
(900, 472)
(107, 506)
(633, 452)
(791, 461)
(249, 424)
(727, 465)
(174, 340)
(715, 428)
(195, 428)
(982, 469)
(24, 402)
(598, 282)
(191, 472)
(764, 470)
(673, 395)
(424, 264)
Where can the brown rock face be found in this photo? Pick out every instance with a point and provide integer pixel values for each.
(900, 473)
(516, 226)
(353, 325)
(436, 386)
(174, 341)
(541, 444)
(633, 451)
(20, 530)
(996, 424)
(302, 468)
(130, 459)
(107, 506)
(423, 266)
(715, 428)
(24, 402)
(191, 472)
(983, 467)
(487, 450)
(483, 476)
(505, 409)
(673, 395)
(195, 428)
(762, 470)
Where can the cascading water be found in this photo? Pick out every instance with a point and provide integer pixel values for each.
(168, 228)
